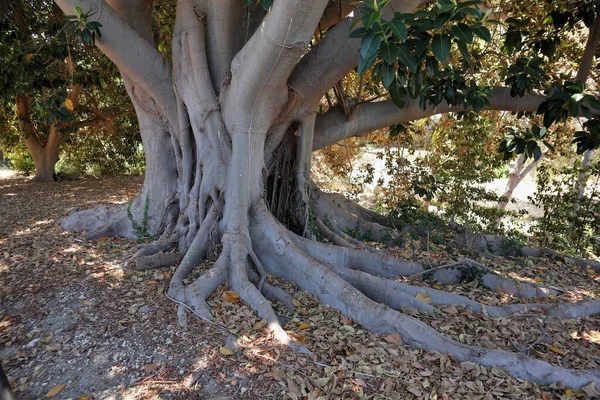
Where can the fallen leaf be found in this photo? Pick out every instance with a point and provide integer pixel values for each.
(55, 390)
(226, 351)
(260, 324)
(151, 367)
(231, 296)
(591, 272)
(296, 302)
(557, 350)
(538, 279)
(424, 297)
(301, 327)
(394, 338)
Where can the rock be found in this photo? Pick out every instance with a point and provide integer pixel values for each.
(144, 309)
(232, 343)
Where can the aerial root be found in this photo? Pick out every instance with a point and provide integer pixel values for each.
(283, 258)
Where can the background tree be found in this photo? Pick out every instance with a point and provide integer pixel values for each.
(229, 122)
(53, 88)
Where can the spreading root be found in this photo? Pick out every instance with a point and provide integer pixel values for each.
(351, 276)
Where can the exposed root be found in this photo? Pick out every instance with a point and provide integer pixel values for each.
(162, 244)
(237, 255)
(330, 235)
(326, 209)
(375, 264)
(272, 292)
(157, 261)
(283, 258)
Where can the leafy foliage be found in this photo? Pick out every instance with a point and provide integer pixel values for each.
(570, 223)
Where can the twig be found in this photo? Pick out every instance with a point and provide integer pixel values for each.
(465, 262)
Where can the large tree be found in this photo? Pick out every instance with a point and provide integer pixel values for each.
(229, 120)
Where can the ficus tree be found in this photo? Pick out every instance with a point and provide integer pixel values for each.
(229, 119)
(51, 87)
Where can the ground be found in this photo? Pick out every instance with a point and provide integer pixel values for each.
(71, 315)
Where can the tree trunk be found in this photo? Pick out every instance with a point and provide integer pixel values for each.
(228, 142)
(584, 173)
(516, 175)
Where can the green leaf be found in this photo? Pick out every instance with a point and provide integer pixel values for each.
(398, 94)
(359, 32)
(389, 52)
(441, 20)
(387, 73)
(406, 58)
(463, 33)
(369, 45)
(365, 63)
(398, 29)
(441, 47)
(482, 32)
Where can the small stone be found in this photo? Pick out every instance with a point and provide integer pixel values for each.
(144, 309)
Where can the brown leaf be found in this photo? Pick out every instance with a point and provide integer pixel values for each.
(151, 367)
(394, 338)
(231, 296)
(557, 350)
(424, 297)
(55, 390)
(226, 351)
(302, 327)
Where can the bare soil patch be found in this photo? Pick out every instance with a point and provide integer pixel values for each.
(71, 315)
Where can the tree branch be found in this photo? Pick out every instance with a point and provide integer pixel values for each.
(224, 19)
(135, 56)
(333, 127)
(589, 52)
(264, 65)
(336, 55)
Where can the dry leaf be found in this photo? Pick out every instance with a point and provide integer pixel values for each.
(226, 351)
(557, 350)
(301, 327)
(260, 324)
(83, 398)
(591, 272)
(591, 336)
(394, 338)
(69, 105)
(296, 302)
(231, 296)
(546, 396)
(424, 297)
(538, 279)
(151, 367)
(55, 390)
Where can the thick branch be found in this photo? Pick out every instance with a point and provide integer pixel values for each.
(144, 66)
(333, 126)
(336, 55)
(261, 69)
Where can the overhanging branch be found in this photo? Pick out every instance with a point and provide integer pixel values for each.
(333, 127)
(336, 55)
(136, 57)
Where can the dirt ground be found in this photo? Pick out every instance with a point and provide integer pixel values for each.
(75, 324)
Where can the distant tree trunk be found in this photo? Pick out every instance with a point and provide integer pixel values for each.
(45, 156)
(517, 174)
(584, 173)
